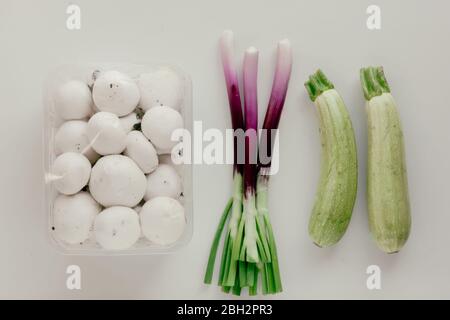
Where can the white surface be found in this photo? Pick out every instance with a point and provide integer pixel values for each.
(329, 34)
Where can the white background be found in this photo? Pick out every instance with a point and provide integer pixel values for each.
(412, 46)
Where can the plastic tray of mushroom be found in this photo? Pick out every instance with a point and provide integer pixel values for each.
(113, 185)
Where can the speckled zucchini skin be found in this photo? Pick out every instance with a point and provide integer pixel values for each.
(387, 183)
(336, 194)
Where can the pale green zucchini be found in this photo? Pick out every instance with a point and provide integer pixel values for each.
(336, 192)
(387, 184)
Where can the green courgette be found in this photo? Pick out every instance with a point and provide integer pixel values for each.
(336, 194)
(387, 183)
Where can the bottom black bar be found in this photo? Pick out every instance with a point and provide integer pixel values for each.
(228, 309)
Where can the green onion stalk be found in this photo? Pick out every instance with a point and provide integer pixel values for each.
(233, 210)
(249, 248)
(271, 275)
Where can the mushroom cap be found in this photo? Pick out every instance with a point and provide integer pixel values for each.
(159, 123)
(71, 171)
(115, 92)
(116, 180)
(141, 151)
(162, 220)
(162, 87)
(164, 181)
(106, 134)
(73, 100)
(73, 216)
(117, 228)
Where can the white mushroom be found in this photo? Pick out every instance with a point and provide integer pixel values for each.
(141, 151)
(164, 181)
(70, 172)
(115, 92)
(116, 180)
(72, 137)
(129, 121)
(73, 100)
(162, 220)
(162, 87)
(159, 123)
(73, 217)
(117, 228)
(106, 134)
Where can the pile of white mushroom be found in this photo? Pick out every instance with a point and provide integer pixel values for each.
(111, 171)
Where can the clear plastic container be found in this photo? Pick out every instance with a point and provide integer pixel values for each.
(87, 73)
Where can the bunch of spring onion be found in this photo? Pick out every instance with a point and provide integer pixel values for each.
(249, 249)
